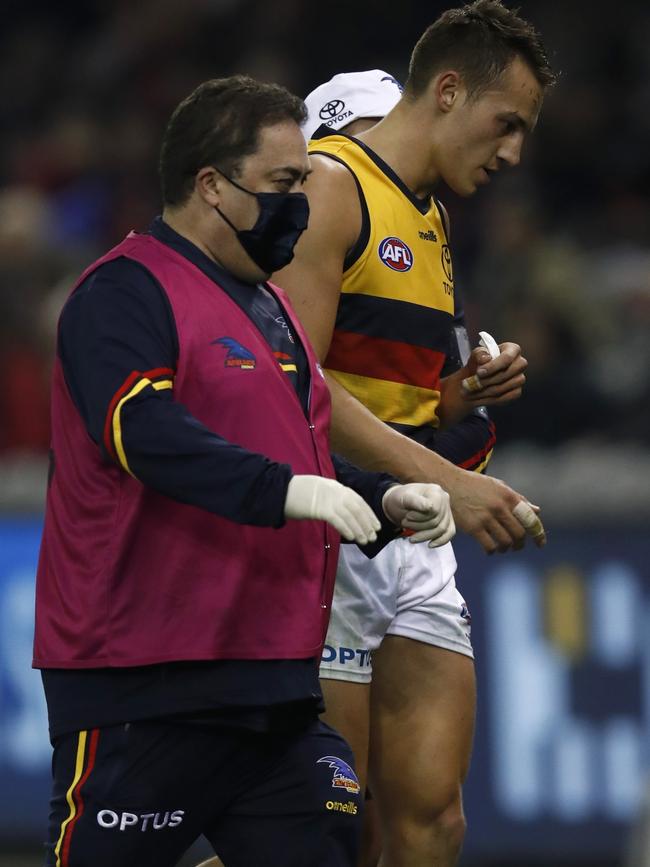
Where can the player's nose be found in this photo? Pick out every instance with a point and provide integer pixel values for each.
(510, 151)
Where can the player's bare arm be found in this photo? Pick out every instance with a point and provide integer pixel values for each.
(482, 506)
(313, 279)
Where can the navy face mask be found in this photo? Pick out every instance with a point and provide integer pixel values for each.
(282, 220)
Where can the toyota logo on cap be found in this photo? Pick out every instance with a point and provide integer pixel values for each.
(331, 109)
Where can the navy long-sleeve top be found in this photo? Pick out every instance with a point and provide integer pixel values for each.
(119, 320)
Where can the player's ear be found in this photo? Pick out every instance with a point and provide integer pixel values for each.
(446, 89)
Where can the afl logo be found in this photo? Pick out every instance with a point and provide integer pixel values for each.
(394, 253)
(331, 109)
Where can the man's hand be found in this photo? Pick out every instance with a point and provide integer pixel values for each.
(422, 508)
(482, 382)
(498, 517)
(319, 499)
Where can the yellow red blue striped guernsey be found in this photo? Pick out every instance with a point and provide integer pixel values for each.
(396, 308)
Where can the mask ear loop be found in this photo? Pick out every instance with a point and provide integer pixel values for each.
(225, 218)
(239, 187)
(231, 181)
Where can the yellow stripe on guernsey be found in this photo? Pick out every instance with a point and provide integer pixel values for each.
(117, 426)
(401, 404)
(397, 302)
(78, 771)
(484, 462)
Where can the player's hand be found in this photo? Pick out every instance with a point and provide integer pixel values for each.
(498, 518)
(483, 381)
(423, 508)
(319, 499)
(528, 516)
(490, 381)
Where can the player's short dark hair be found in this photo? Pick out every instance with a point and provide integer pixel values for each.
(219, 124)
(479, 40)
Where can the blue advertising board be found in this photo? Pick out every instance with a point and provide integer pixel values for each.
(562, 641)
(24, 746)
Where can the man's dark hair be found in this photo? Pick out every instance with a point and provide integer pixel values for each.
(479, 40)
(219, 124)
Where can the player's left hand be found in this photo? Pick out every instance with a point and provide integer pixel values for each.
(423, 509)
(490, 381)
(483, 381)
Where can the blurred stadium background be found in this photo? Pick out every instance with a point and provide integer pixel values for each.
(555, 256)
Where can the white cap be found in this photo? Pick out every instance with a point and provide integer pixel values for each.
(349, 96)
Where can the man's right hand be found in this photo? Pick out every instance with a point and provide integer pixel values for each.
(422, 509)
(319, 499)
(489, 510)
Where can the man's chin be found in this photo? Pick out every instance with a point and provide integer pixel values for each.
(466, 190)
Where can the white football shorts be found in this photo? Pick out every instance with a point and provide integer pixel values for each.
(406, 590)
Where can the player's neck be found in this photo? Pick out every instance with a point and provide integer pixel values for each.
(399, 142)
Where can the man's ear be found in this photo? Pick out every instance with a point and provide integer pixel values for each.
(446, 89)
(207, 184)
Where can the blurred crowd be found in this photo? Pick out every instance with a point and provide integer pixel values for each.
(555, 256)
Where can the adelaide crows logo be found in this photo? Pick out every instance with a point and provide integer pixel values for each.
(344, 777)
(238, 355)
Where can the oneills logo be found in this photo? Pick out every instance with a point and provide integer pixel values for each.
(340, 807)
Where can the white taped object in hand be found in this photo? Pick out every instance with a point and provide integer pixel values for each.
(530, 521)
(489, 343)
(318, 499)
(422, 509)
(473, 383)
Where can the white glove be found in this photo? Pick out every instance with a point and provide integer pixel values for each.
(319, 499)
(422, 508)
